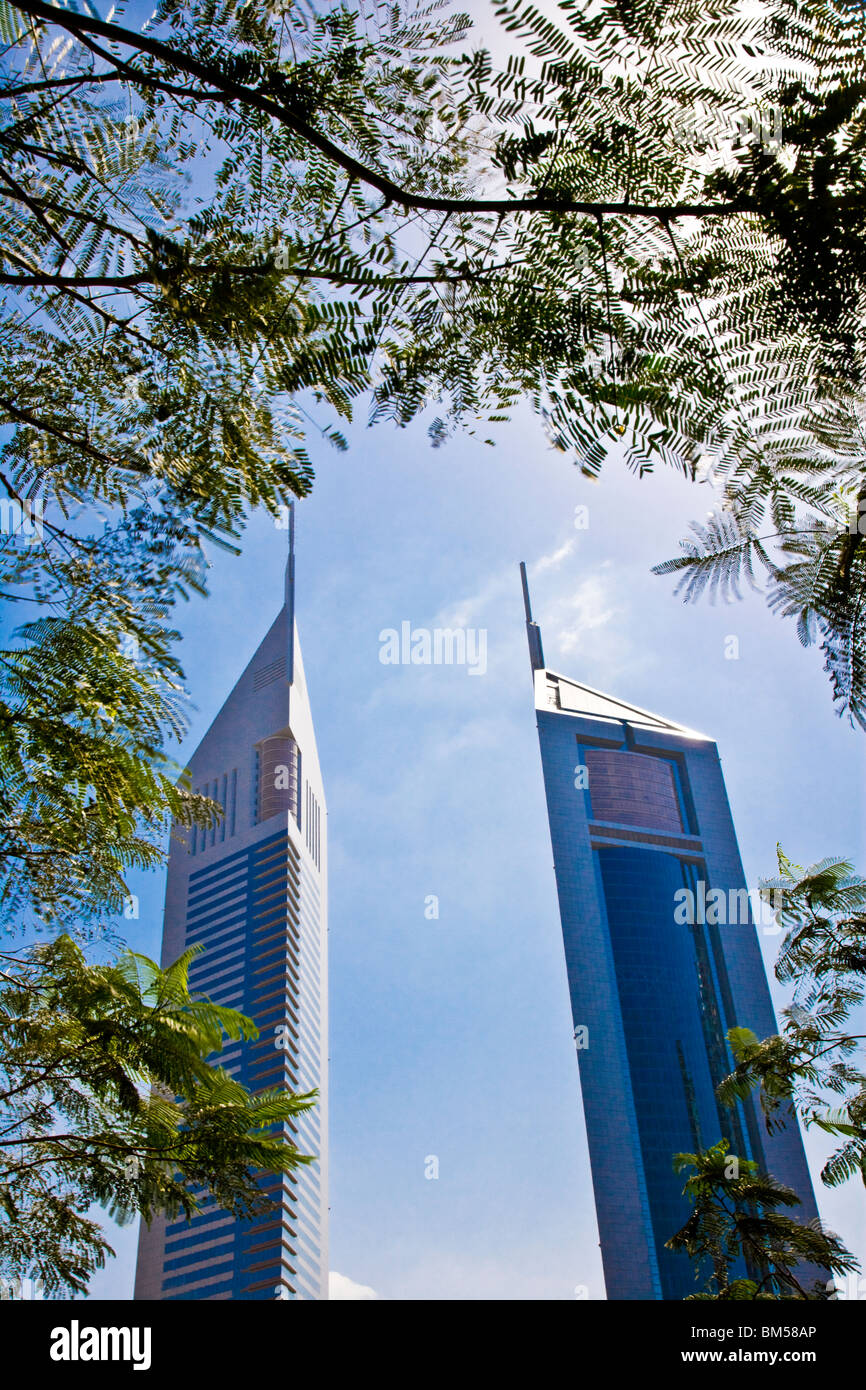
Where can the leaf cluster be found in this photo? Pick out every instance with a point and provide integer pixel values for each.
(815, 1063)
(109, 1095)
(741, 1213)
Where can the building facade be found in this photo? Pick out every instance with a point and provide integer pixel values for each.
(253, 891)
(662, 957)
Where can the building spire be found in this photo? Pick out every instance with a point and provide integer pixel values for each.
(290, 598)
(533, 632)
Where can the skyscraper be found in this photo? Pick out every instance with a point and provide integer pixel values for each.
(253, 891)
(662, 958)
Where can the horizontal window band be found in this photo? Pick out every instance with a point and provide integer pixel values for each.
(647, 837)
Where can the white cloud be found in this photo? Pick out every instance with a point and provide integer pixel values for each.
(341, 1287)
(552, 561)
(504, 583)
(585, 620)
(572, 616)
(500, 585)
(465, 612)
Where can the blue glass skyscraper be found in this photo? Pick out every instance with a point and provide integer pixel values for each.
(662, 958)
(253, 891)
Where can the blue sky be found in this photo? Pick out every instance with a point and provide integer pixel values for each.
(453, 1037)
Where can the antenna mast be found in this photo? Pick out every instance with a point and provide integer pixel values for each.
(533, 632)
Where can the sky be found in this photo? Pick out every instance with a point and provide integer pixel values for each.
(451, 1038)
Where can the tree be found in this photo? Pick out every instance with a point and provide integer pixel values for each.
(653, 230)
(736, 1216)
(812, 1063)
(88, 697)
(107, 1096)
(151, 356)
(609, 233)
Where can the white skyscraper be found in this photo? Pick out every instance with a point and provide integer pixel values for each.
(253, 890)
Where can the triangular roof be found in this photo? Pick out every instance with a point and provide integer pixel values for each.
(560, 693)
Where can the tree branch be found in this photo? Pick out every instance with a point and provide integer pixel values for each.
(230, 90)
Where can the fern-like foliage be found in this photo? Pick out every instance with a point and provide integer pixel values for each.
(715, 561)
(802, 512)
(648, 221)
(815, 1062)
(740, 1213)
(161, 324)
(110, 1093)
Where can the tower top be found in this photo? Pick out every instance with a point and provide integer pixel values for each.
(533, 631)
(290, 597)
